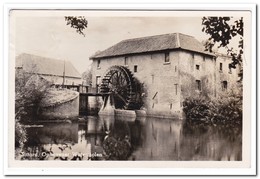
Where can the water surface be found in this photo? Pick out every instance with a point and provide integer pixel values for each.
(123, 138)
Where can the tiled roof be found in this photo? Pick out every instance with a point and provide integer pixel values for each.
(152, 44)
(46, 66)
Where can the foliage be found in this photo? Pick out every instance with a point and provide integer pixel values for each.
(87, 77)
(227, 109)
(222, 31)
(20, 134)
(140, 94)
(29, 91)
(117, 143)
(77, 22)
(197, 108)
(116, 148)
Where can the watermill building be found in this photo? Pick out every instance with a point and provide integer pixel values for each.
(169, 67)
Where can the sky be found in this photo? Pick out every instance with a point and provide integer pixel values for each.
(46, 33)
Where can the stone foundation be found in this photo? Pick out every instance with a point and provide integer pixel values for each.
(66, 110)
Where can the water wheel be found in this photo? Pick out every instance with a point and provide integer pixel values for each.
(123, 88)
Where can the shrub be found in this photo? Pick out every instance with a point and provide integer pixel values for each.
(29, 91)
(20, 135)
(197, 108)
(226, 109)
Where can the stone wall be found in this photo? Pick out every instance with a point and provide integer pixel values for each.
(166, 85)
(66, 110)
(226, 74)
(196, 68)
(160, 79)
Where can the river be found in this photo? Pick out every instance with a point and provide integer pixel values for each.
(122, 138)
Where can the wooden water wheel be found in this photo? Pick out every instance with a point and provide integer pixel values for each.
(123, 88)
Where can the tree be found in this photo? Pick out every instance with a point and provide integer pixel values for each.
(87, 77)
(77, 22)
(30, 89)
(222, 31)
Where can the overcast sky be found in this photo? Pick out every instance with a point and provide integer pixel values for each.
(49, 36)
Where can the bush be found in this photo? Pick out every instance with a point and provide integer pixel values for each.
(20, 135)
(29, 91)
(196, 108)
(226, 109)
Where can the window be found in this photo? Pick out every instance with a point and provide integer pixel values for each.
(176, 88)
(126, 61)
(204, 58)
(98, 82)
(198, 85)
(197, 67)
(193, 55)
(220, 67)
(167, 58)
(230, 69)
(98, 64)
(224, 85)
(135, 68)
(175, 68)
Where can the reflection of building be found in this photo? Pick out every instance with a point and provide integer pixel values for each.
(55, 71)
(94, 136)
(171, 67)
(157, 134)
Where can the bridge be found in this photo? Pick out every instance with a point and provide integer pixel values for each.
(86, 104)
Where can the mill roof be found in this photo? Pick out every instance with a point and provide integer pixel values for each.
(46, 66)
(152, 44)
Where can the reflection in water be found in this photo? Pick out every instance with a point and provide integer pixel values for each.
(113, 138)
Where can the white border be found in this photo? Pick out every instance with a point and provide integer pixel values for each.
(132, 171)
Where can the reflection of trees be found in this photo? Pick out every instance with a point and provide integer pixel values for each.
(200, 141)
(121, 140)
(52, 133)
(229, 132)
(116, 144)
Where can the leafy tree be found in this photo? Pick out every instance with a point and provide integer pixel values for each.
(87, 77)
(222, 31)
(30, 89)
(77, 22)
